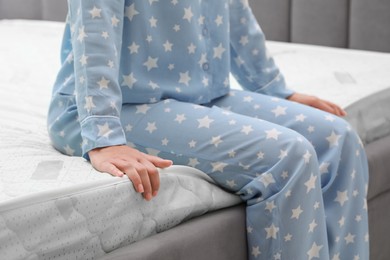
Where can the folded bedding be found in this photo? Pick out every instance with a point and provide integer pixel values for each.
(55, 206)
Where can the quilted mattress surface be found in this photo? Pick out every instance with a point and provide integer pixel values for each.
(55, 206)
(357, 80)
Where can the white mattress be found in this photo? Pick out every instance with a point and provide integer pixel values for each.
(357, 80)
(55, 206)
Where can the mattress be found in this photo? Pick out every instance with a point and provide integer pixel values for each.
(357, 80)
(55, 206)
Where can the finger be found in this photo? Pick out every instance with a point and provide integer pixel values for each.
(110, 168)
(138, 174)
(325, 107)
(341, 111)
(143, 174)
(135, 179)
(338, 110)
(154, 176)
(128, 168)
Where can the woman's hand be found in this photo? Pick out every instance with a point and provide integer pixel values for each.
(317, 103)
(122, 160)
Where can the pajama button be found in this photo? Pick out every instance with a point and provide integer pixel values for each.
(206, 66)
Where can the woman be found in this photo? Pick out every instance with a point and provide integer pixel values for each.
(153, 76)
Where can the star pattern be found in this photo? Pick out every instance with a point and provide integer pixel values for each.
(130, 12)
(314, 251)
(296, 212)
(129, 80)
(272, 231)
(205, 122)
(69, 150)
(151, 63)
(89, 105)
(307, 156)
(342, 197)
(311, 183)
(188, 56)
(255, 251)
(279, 110)
(273, 134)
(134, 15)
(267, 179)
(103, 83)
(104, 130)
(218, 166)
(246, 129)
(324, 167)
(95, 12)
(333, 139)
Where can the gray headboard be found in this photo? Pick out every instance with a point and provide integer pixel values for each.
(358, 24)
(54, 10)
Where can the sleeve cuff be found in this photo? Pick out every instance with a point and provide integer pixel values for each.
(101, 131)
(276, 87)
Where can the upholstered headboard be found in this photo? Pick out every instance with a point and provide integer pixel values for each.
(54, 10)
(359, 24)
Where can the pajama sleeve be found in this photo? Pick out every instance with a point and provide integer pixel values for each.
(251, 64)
(96, 35)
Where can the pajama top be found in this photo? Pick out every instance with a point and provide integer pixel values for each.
(143, 51)
(134, 70)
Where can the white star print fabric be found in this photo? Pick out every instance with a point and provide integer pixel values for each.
(155, 75)
(155, 50)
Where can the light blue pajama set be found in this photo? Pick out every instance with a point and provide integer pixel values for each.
(154, 74)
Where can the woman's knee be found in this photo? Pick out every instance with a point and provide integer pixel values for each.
(294, 163)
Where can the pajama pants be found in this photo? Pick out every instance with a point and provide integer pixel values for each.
(302, 172)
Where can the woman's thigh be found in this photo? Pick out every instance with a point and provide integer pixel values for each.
(232, 148)
(310, 122)
(337, 146)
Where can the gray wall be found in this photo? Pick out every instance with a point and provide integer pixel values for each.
(358, 24)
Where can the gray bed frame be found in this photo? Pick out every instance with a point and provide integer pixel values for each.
(359, 24)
